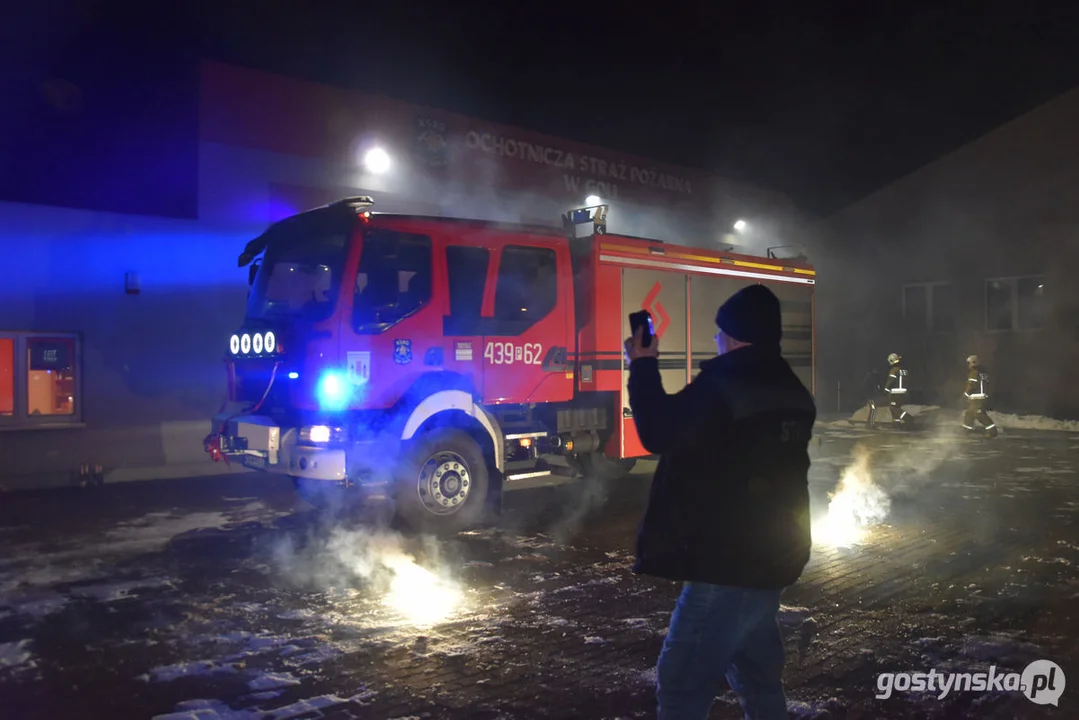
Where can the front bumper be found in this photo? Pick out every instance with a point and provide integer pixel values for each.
(259, 443)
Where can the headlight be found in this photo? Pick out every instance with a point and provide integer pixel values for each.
(253, 344)
(321, 434)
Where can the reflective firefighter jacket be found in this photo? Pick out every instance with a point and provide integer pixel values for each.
(896, 384)
(977, 387)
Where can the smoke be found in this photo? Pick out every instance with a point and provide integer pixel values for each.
(566, 511)
(378, 562)
(878, 476)
(581, 500)
(857, 504)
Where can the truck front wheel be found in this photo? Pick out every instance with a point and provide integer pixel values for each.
(442, 482)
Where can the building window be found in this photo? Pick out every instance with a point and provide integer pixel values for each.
(1015, 303)
(929, 307)
(39, 379)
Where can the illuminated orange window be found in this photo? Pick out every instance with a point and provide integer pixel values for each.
(50, 376)
(7, 376)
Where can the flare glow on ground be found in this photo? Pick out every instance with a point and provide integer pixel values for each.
(857, 504)
(417, 594)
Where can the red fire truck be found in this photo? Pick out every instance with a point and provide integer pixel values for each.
(438, 362)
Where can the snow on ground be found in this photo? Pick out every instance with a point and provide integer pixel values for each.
(39, 578)
(16, 655)
(936, 415)
(216, 710)
(1034, 422)
(883, 414)
(272, 640)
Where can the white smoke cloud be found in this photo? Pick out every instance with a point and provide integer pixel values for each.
(375, 560)
(877, 476)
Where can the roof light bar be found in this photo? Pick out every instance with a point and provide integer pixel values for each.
(596, 214)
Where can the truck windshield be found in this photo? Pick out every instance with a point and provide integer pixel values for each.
(300, 273)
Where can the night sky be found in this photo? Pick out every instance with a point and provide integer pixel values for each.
(825, 101)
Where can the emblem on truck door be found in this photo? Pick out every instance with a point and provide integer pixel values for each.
(402, 352)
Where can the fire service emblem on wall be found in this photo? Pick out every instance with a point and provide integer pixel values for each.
(432, 146)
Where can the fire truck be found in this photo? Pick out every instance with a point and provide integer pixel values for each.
(438, 363)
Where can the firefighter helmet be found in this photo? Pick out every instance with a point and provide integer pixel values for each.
(894, 358)
(972, 360)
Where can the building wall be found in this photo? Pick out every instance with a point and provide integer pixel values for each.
(448, 158)
(1000, 207)
(149, 372)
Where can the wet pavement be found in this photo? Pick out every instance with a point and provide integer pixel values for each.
(228, 598)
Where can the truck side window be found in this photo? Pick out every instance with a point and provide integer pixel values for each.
(393, 280)
(467, 271)
(527, 288)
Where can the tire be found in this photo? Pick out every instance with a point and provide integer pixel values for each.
(442, 482)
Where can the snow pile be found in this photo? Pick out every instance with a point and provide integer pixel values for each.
(884, 414)
(1034, 422)
(935, 413)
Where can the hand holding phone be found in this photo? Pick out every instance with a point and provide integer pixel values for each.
(642, 319)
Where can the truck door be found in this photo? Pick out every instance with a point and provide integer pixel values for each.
(663, 294)
(528, 325)
(467, 269)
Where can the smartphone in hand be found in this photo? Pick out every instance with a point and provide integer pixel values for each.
(642, 318)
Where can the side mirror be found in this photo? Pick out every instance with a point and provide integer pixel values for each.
(252, 272)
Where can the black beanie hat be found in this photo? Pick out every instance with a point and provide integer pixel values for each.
(752, 315)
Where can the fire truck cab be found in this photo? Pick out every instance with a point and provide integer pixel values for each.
(437, 363)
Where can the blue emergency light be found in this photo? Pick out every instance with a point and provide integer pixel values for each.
(333, 391)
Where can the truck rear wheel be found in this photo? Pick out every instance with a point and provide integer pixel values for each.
(442, 482)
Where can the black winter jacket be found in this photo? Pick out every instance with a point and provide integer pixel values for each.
(729, 503)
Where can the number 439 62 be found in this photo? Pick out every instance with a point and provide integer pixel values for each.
(504, 353)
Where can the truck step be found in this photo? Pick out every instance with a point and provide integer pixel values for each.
(528, 475)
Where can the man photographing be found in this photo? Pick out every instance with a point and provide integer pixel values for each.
(728, 510)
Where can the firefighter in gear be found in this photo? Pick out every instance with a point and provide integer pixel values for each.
(895, 389)
(976, 393)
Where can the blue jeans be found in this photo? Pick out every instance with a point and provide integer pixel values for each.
(715, 631)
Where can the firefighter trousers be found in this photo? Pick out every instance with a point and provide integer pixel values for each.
(976, 413)
(899, 415)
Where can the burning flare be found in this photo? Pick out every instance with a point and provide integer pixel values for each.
(418, 595)
(856, 505)
(415, 595)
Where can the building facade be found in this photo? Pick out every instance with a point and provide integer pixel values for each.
(114, 325)
(971, 254)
